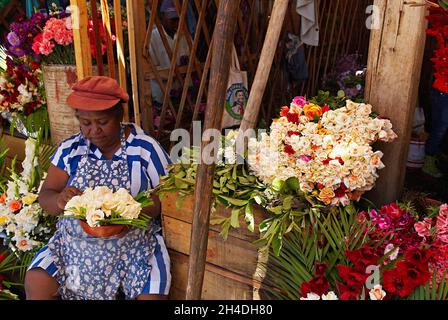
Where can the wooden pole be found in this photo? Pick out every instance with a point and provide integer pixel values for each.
(120, 54)
(219, 74)
(97, 38)
(264, 65)
(108, 32)
(81, 38)
(393, 75)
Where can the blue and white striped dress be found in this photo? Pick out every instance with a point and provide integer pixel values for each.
(147, 161)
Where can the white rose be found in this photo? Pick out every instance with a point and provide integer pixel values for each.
(311, 296)
(330, 296)
(131, 211)
(94, 216)
(377, 293)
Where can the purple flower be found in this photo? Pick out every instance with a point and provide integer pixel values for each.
(17, 51)
(13, 39)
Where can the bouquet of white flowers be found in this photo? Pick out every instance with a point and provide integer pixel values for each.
(101, 206)
(328, 151)
(23, 224)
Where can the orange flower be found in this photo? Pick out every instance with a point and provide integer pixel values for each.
(311, 110)
(15, 205)
(3, 198)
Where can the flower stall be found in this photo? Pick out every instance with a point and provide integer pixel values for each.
(309, 209)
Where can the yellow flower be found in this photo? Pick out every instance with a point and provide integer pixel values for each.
(2, 220)
(311, 110)
(326, 195)
(322, 131)
(30, 198)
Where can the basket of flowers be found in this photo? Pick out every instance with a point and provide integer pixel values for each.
(105, 213)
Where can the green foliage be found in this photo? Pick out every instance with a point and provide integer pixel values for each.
(324, 237)
(325, 98)
(432, 290)
(444, 4)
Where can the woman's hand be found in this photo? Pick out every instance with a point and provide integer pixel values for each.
(66, 194)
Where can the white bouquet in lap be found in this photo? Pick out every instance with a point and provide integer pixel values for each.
(101, 206)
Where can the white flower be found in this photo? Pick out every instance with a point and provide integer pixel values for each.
(311, 296)
(24, 244)
(377, 293)
(75, 204)
(330, 296)
(131, 211)
(394, 255)
(94, 216)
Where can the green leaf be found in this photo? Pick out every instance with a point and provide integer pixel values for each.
(293, 184)
(277, 245)
(249, 217)
(216, 221)
(236, 202)
(235, 218)
(287, 203)
(278, 185)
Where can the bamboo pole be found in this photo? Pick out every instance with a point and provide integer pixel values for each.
(81, 39)
(264, 65)
(97, 38)
(120, 54)
(220, 67)
(133, 56)
(108, 31)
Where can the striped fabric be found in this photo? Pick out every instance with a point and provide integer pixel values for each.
(147, 160)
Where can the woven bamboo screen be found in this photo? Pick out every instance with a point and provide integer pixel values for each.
(184, 85)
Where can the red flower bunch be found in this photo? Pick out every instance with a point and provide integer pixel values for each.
(103, 35)
(395, 225)
(354, 278)
(319, 284)
(20, 88)
(408, 274)
(434, 232)
(438, 27)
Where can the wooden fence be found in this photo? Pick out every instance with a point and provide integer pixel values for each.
(184, 86)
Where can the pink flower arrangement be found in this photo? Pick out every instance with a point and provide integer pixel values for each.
(56, 32)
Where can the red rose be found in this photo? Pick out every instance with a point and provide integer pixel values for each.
(15, 205)
(292, 117)
(293, 133)
(392, 210)
(289, 150)
(284, 112)
(325, 108)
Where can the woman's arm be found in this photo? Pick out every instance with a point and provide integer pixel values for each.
(54, 193)
(153, 210)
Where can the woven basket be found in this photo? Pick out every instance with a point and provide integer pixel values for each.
(58, 81)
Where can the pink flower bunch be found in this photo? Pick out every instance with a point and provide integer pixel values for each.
(56, 32)
(434, 232)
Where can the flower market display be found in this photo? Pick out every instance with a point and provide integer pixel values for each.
(101, 206)
(438, 19)
(23, 224)
(328, 151)
(391, 253)
(313, 158)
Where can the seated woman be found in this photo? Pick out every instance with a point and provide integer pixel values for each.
(75, 265)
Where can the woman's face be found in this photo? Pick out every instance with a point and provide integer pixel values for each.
(102, 128)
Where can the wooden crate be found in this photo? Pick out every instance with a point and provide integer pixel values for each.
(232, 269)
